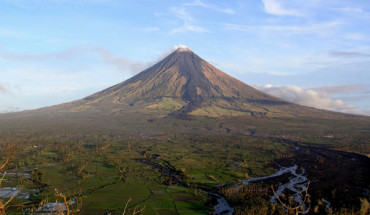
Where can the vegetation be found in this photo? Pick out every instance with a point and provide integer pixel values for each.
(105, 173)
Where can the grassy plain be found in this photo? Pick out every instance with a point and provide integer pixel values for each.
(103, 172)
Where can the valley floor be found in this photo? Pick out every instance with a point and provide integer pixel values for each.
(182, 175)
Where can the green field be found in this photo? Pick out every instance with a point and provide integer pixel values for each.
(102, 174)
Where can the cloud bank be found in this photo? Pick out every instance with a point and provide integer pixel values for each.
(321, 97)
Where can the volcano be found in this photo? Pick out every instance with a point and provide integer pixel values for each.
(184, 94)
(180, 86)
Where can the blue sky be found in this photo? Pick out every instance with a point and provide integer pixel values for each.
(315, 53)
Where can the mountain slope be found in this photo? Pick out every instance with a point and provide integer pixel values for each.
(185, 75)
(180, 85)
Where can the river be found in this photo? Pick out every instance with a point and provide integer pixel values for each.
(297, 182)
(222, 207)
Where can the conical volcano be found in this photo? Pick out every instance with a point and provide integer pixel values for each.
(182, 84)
(185, 95)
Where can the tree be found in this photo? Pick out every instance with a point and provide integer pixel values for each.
(4, 206)
(66, 204)
(136, 211)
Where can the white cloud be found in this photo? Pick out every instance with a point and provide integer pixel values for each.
(182, 14)
(356, 36)
(187, 27)
(317, 28)
(122, 63)
(181, 48)
(274, 7)
(351, 10)
(161, 55)
(347, 54)
(8, 109)
(313, 97)
(188, 21)
(210, 6)
(354, 11)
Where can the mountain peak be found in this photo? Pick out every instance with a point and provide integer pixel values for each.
(182, 48)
